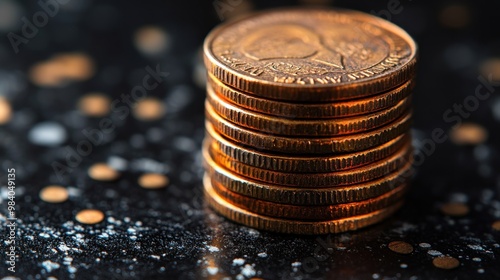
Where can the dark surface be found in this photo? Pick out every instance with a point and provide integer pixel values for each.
(170, 233)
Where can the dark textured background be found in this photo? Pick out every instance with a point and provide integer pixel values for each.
(170, 233)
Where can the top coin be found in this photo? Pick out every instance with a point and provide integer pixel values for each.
(310, 55)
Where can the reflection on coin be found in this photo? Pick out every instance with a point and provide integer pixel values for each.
(331, 145)
(306, 196)
(250, 219)
(316, 180)
(318, 128)
(310, 213)
(311, 110)
(301, 164)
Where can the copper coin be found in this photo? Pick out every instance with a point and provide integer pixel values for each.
(309, 213)
(315, 180)
(326, 145)
(306, 196)
(400, 247)
(89, 216)
(311, 54)
(54, 194)
(445, 262)
(250, 219)
(317, 128)
(322, 110)
(301, 164)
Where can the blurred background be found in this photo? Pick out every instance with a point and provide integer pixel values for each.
(122, 83)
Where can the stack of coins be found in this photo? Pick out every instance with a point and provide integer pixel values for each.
(307, 120)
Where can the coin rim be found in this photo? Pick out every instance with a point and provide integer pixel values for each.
(250, 219)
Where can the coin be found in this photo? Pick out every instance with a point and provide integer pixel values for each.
(315, 180)
(400, 247)
(89, 216)
(309, 213)
(250, 219)
(319, 128)
(446, 262)
(301, 164)
(306, 196)
(103, 172)
(311, 110)
(330, 145)
(310, 55)
(54, 194)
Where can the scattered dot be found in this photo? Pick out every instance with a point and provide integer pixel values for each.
(445, 262)
(77, 66)
(469, 134)
(54, 194)
(94, 105)
(403, 265)
(5, 111)
(491, 67)
(153, 181)
(424, 245)
(149, 109)
(455, 209)
(151, 40)
(103, 172)
(476, 259)
(496, 225)
(61, 68)
(434, 253)
(455, 16)
(47, 134)
(89, 216)
(480, 270)
(400, 247)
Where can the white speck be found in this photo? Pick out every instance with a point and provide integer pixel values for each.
(63, 248)
(238, 261)
(44, 235)
(49, 266)
(253, 232)
(133, 237)
(240, 277)
(213, 248)
(248, 271)
(117, 163)
(476, 259)
(424, 245)
(403, 265)
(482, 152)
(475, 247)
(74, 192)
(458, 197)
(132, 230)
(155, 257)
(184, 144)
(212, 270)
(71, 269)
(47, 134)
(404, 228)
(296, 264)
(262, 255)
(434, 253)
(480, 270)
(14, 278)
(375, 276)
